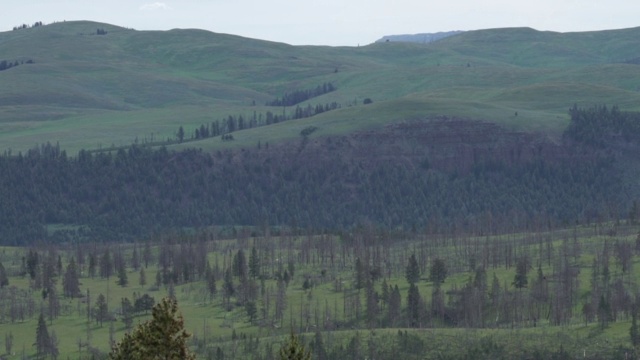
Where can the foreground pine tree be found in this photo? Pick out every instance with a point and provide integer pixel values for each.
(162, 337)
(294, 350)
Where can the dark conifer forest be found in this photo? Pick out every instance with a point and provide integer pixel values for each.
(519, 181)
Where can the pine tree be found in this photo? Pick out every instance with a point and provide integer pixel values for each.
(294, 350)
(142, 277)
(254, 263)
(102, 309)
(162, 337)
(43, 341)
(634, 333)
(438, 271)
(4, 279)
(70, 282)
(412, 272)
(122, 276)
(413, 305)
(520, 279)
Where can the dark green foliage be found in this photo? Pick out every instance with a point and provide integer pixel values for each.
(251, 309)
(163, 337)
(293, 349)
(127, 312)
(438, 271)
(8, 342)
(254, 263)
(70, 281)
(522, 268)
(308, 131)
(137, 192)
(43, 340)
(240, 265)
(144, 303)
(412, 273)
(101, 311)
(32, 263)
(298, 96)
(4, 279)
(122, 277)
(413, 305)
(360, 274)
(6, 65)
(367, 101)
(634, 332)
(600, 126)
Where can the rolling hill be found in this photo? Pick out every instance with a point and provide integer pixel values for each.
(89, 91)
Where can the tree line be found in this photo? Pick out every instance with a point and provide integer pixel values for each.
(130, 193)
(6, 65)
(25, 26)
(297, 96)
(232, 123)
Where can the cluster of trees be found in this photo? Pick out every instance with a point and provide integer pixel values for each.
(101, 32)
(364, 275)
(334, 183)
(235, 123)
(25, 26)
(298, 96)
(5, 65)
(602, 127)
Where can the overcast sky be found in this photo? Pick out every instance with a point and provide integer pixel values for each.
(330, 22)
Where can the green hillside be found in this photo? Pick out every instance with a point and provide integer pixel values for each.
(85, 90)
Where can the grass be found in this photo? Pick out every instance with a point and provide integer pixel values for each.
(208, 319)
(88, 91)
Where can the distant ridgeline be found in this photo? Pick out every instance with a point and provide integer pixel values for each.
(419, 38)
(331, 183)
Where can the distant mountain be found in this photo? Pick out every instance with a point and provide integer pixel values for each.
(419, 38)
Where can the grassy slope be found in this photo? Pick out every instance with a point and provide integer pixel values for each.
(87, 91)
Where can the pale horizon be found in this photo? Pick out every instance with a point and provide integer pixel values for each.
(331, 22)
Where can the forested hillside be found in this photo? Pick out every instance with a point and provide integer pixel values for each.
(435, 175)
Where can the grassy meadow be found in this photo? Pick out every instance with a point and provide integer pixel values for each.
(326, 305)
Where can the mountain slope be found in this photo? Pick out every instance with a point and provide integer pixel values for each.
(88, 91)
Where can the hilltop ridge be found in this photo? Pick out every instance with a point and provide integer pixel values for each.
(125, 85)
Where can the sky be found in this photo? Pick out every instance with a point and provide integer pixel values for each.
(330, 22)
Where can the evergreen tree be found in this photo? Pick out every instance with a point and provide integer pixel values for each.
(254, 263)
(413, 305)
(210, 277)
(70, 282)
(122, 276)
(393, 310)
(294, 350)
(520, 279)
(228, 288)
(412, 272)
(127, 312)
(101, 310)
(240, 265)
(438, 271)
(162, 337)
(4, 279)
(43, 341)
(142, 277)
(8, 342)
(634, 333)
